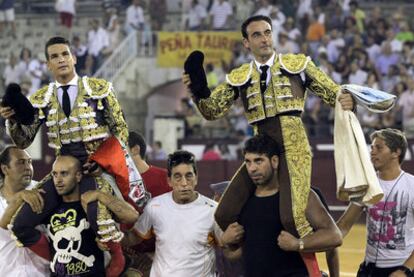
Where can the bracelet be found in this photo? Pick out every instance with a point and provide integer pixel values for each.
(301, 245)
(405, 269)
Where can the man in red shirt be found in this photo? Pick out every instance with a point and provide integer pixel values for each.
(155, 180)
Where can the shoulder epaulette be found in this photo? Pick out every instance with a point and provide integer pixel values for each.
(239, 76)
(96, 88)
(293, 63)
(41, 97)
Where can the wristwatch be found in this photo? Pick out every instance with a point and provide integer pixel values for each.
(302, 245)
(405, 269)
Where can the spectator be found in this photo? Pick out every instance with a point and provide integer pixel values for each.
(357, 76)
(396, 45)
(405, 34)
(196, 16)
(285, 45)
(212, 77)
(98, 41)
(406, 104)
(289, 28)
(210, 153)
(314, 35)
(389, 81)
(221, 13)
(81, 53)
(386, 59)
(264, 8)
(25, 59)
(243, 9)
(113, 29)
(7, 17)
(66, 10)
(134, 17)
(11, 73)
(278, 19)
(158, 13)
(38, 72)
(358, 15)
(373, 49)
(157, 152)
(226, 154)
(335, 46)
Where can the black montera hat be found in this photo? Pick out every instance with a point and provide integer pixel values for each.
(193, 66)
(14, 98)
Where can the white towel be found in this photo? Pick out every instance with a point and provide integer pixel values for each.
(356, 178)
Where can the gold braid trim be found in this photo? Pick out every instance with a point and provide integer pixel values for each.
(218, 104)
(321, 84)
(293, 63)
(299, 162)
(240, 75)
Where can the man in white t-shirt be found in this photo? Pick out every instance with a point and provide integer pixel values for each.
(390, 222)
(16, 172)
(182, 222)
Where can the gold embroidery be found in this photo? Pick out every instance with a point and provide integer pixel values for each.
(299, 162)
(293, 63)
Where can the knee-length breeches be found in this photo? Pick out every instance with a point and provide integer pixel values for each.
(294, 174)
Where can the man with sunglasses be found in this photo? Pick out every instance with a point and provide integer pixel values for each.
(183, 223)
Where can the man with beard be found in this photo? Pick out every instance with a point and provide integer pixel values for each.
(258, 235)
(390, 222)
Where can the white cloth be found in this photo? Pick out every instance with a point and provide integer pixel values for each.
(183, 246)
(392, 221)
(355, 174)
(18, 261)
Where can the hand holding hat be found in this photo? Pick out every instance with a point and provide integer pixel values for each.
(16, 106)
(193, 66)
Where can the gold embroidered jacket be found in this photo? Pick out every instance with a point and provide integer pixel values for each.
(278, 97)
(95, 116)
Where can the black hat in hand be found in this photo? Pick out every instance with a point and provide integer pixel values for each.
(23, 109)
(193, 66)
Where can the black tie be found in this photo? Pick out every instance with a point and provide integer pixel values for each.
(65, 100)
(263, 77)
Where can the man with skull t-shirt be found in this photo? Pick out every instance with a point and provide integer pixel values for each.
(74, 250)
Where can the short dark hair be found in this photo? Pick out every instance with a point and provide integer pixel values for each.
(53, 41)
(135, 139)
(253, 19)
(5, 157)
(180, 157)
(262, 144)
(394, 139)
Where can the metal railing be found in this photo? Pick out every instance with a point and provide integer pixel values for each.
(134, 45)
(119, 59)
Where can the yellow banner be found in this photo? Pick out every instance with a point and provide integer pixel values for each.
(174, 47)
